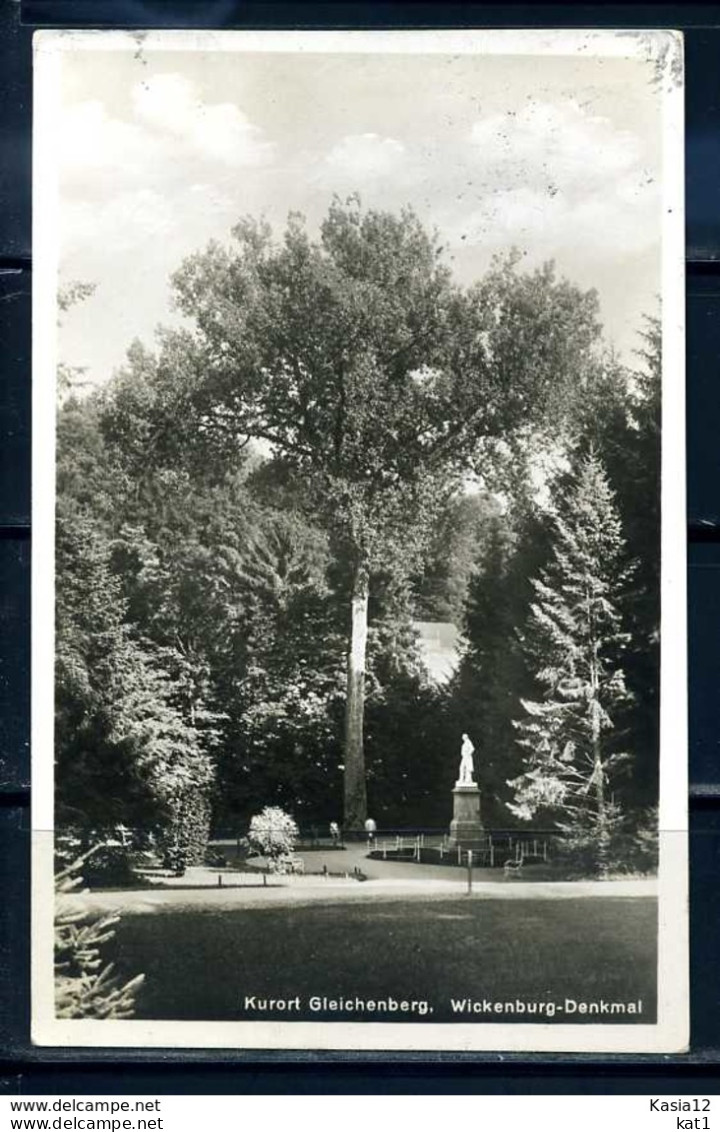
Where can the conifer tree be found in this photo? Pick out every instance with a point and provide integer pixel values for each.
(575, 641)
(85, 985)
(620, 418)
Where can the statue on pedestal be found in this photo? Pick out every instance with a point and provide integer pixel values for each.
(466, 827)
(467, 766)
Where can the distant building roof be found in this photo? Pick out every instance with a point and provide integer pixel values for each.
(439, 641)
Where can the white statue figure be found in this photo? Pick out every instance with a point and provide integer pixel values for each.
(467, 765)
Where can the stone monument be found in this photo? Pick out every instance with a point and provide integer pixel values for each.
(466, 828)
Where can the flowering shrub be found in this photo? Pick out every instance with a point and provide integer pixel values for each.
(273, 833)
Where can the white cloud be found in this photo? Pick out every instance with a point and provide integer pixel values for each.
(168, 172)
(361, 157)
(596, 225)
(554, 143)
(91, 141)
(556, 177)
(170, 104)
(171, 134)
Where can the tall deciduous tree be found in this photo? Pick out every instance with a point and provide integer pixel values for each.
(576, 641)
(373, 376)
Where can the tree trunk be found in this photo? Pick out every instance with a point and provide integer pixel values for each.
(598, 779)
(603, 833)
(355, 786)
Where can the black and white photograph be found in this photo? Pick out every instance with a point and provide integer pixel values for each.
(359, 688)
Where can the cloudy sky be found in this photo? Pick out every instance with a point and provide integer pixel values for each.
(161, 151)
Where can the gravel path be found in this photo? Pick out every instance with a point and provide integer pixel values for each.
(251, 893)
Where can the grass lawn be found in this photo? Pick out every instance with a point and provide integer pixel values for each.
(200, 963)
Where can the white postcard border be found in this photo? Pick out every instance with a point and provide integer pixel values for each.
(670, 1034)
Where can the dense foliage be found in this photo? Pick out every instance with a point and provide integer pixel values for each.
(372, 375)
(252, 518)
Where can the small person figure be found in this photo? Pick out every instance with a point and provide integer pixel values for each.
(335, 834)
(371, 830)
(467, 765)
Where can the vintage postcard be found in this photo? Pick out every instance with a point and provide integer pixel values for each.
(359, 493)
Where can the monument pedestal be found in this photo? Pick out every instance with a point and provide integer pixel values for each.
(466, 828)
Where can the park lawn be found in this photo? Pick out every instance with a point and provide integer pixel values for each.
(200, 963)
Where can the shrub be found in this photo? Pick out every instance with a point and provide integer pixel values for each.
(109, 865)
(273, 833)
(645, 841)
(629, 846)
(184, 840)
(636, 849)
(175, 858)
